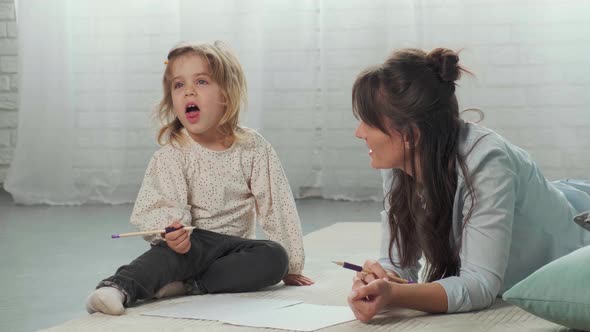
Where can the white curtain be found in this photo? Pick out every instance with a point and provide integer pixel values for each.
(90, 76)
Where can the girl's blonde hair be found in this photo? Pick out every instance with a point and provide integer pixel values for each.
(225, 70)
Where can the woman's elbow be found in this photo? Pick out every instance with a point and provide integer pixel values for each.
(479, 290)
(484, 294)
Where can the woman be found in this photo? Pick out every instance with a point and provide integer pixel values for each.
(475, 207)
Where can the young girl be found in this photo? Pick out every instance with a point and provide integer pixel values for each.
(474, 206)
(217, 176)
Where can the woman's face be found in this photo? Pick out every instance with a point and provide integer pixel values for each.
(385, 150)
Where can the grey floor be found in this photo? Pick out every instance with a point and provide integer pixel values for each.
(52, 257)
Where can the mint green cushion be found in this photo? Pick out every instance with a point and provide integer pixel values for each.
(558, 292)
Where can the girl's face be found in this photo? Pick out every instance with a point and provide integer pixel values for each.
(386, 151)
(197, 99)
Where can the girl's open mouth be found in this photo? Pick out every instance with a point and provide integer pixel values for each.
(192, 113)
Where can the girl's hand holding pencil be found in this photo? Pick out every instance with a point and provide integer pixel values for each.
(177, 237)
(180, 239)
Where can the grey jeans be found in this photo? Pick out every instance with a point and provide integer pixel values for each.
(215, 263)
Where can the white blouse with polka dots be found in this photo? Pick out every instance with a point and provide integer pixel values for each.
(221, 191)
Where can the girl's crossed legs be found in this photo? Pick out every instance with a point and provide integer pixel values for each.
(215, 263)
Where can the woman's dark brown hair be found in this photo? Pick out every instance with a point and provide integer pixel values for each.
(413, 93)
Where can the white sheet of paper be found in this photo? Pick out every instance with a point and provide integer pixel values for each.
(218, 307)
(299, 317)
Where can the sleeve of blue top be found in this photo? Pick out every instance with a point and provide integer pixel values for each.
(486, 235)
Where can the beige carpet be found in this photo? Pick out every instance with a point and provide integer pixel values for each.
(353, 242)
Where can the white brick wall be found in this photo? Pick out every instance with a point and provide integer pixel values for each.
(529, 57)
(532, 77)
(8, 85)
(119, 56)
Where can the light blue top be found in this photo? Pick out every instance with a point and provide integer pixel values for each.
(520, 222)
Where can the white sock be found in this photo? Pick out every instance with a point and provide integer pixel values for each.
(107, 300)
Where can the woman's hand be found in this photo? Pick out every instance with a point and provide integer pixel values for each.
(367, 306)
(297, 280)
(378, 272)
(368, 300)
(363, 278)
(178, 240)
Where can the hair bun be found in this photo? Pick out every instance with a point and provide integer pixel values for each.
(445, 63)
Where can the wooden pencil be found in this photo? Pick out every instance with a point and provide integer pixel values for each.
(156, 231)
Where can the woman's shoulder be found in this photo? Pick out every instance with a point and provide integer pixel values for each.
(482, 147)
(480, 140)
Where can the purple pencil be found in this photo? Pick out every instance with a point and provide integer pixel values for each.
(357, 268)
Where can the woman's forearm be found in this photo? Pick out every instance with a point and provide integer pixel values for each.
(429, 297)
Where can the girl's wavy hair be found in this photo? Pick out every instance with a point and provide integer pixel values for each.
(413, 92)
(225, 70)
